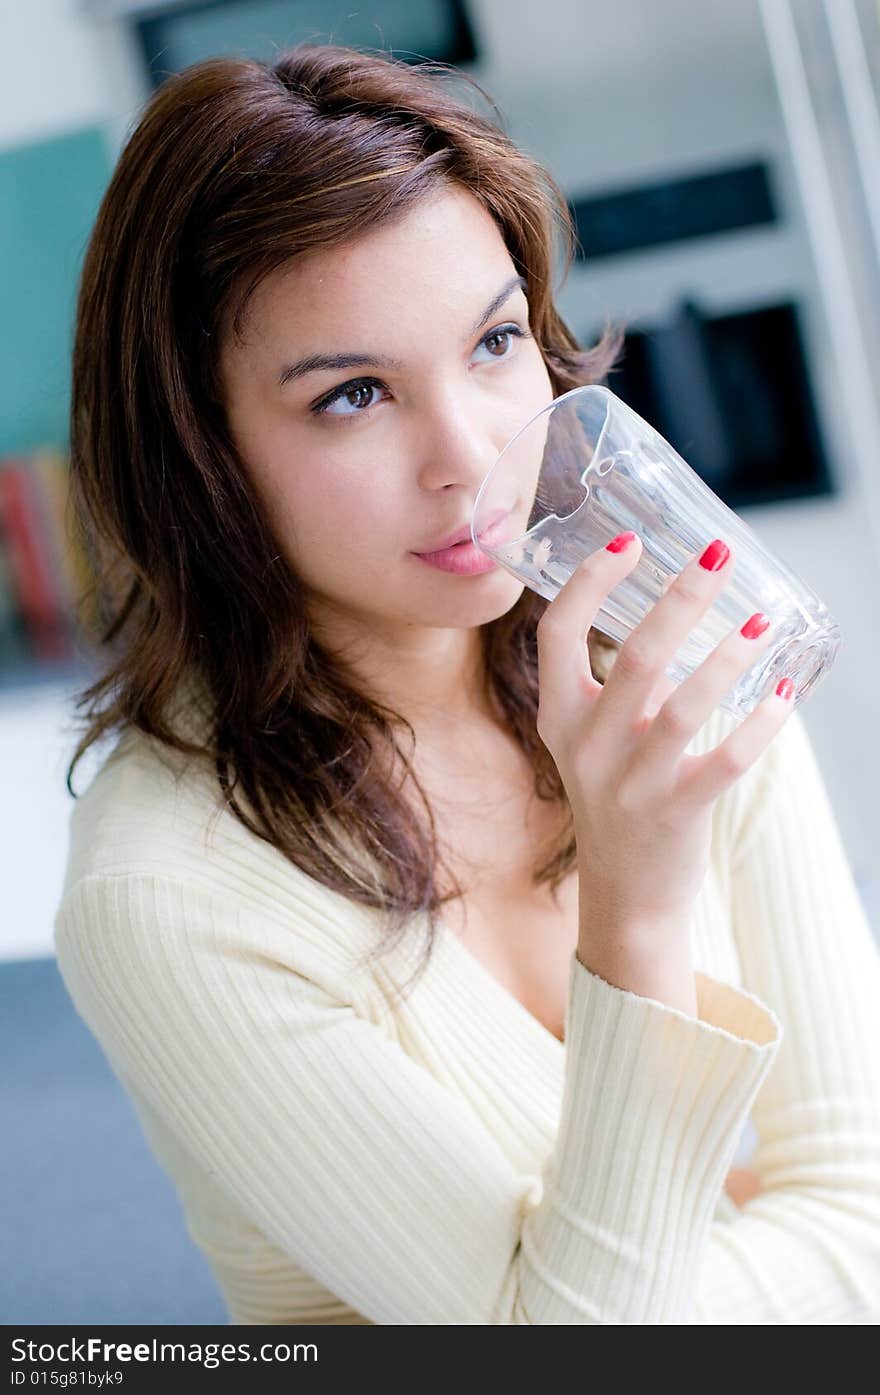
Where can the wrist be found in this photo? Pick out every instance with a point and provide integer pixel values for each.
(646, 960)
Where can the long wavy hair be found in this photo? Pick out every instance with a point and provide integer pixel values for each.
(235, 168)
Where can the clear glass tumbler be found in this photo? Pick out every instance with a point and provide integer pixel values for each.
(587, 467)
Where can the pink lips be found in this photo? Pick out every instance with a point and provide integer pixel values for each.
(463, 534)
(464, 558)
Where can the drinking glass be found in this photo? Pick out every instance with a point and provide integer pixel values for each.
(588, 467)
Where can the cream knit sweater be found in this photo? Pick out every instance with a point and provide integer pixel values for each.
(343, 1159)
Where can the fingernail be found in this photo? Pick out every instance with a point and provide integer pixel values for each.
(715, 556)
(755, 625)
(785, 688)
(620, 543)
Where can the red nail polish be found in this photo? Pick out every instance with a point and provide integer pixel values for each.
(620, 543)
(755, 625)
(715, 556)
(785, 688)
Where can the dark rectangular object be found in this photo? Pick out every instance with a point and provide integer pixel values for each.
(172, 39)
(676, 209)
(746, 421)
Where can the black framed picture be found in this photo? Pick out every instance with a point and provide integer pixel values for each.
(174, 36)
(732, 395)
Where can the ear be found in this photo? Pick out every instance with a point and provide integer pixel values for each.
(602, 651)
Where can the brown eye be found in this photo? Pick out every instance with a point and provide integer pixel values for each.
(496, 335)
(347, 393)
(352, 394)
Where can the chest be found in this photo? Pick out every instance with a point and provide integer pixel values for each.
(525, 943)
(523, 935)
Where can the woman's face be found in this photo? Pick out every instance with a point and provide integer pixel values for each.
(356, 486)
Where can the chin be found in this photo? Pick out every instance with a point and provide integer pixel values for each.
(482, 599)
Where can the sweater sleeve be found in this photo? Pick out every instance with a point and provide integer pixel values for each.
(807, 1249)
(376, 1178)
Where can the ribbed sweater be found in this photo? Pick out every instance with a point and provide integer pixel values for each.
(343, 1157)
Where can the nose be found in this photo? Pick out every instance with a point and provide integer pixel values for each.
(460, 443)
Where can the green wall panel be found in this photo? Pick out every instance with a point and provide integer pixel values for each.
(49, 196)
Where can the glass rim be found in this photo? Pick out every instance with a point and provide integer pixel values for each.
(599, 388)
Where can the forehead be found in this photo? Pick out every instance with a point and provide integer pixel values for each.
(446, 252)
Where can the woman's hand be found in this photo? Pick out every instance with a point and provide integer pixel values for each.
(642, 808)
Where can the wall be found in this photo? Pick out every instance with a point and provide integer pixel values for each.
(679, 88)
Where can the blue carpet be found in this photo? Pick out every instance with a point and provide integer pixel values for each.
(92, 1228)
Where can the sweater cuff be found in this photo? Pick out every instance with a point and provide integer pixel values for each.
(648, 1075)
(654, 1103)
(735, 1010)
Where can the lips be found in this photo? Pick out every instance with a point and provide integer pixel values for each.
(462, 534)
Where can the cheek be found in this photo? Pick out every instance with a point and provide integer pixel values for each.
(540, 388)
(524, 392)
(336, 524)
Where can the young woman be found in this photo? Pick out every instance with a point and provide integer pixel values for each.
(316, 303)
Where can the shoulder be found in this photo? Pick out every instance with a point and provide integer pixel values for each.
(146, 807)
(156, 856)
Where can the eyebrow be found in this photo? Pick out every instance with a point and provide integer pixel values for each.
(320, 363)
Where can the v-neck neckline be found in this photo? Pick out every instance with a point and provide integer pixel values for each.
(479, 970)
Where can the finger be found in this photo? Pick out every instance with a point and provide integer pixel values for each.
(661, 692)
(645, 654)
(564, 668)
(664, 685)
(694, 700)
(707, 776)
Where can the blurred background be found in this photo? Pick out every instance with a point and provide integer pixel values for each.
(722, 164)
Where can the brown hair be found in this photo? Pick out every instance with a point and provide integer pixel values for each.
(235, 167)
